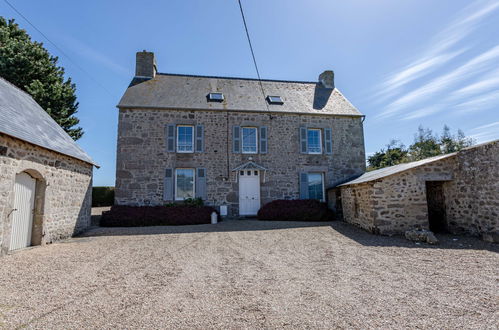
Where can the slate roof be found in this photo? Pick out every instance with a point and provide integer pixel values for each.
(21, 117)
(173, 91)
(387, 171)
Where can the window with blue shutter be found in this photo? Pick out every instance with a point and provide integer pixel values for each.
(328, 140)
(168, 185)
(303, 140)
(170, 137)
(303, 185)
(201, 183)
(263, 140)
(236, 139)
(199, 138)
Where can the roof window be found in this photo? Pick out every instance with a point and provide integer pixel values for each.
(274, 100)
(215, 97)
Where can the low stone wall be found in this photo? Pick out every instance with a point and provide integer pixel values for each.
(63, 190)
(396, 203)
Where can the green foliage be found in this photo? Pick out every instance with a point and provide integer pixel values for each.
(191, 202)
(102, 196)
(29, 66)
(394, 154)
(426, 144)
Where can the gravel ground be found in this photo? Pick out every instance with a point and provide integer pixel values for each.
(250, 274)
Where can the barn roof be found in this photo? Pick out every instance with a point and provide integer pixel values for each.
(23, 118)
(387, 171)
(174, 91)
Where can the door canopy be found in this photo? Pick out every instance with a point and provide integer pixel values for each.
(251, 165)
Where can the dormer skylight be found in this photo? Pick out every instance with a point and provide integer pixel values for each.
(274, 100)
(215, 97)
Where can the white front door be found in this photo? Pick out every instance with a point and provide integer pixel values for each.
(22, 216)
(249, 192)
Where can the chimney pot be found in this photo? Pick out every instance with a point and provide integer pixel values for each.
(145, 65)
(326, 79)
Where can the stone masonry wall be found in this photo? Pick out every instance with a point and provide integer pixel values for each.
(472, 198)
(66, 183)
(357, 205)
(142, 157)
(398, 202)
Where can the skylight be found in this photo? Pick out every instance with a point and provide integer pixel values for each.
(215, 97)
(274, 100)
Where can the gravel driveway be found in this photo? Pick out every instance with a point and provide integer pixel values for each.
(250, 274)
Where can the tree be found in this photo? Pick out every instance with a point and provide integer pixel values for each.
(30, 67)
(452, 143)
(395, 153)
(426, 144)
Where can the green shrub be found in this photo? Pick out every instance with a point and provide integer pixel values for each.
(296, 210)
(102, 196)
(140, 216)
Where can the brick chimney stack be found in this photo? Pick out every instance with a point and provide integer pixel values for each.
(145, 66)
(327, 79)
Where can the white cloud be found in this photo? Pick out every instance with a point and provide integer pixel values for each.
(437, 54)
(475, 66)
(487, 82)
(479, 103)
(85, 51)
(486, 132)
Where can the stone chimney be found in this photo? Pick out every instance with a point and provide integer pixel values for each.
(326, 79)
(145, 66)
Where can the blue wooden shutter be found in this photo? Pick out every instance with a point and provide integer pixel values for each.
(201, 183)
(263, 140)
(328, 141)
(236, 139)
(199, 138)
(303, 140)
(303, 185)
(168, 185)
(170, 138)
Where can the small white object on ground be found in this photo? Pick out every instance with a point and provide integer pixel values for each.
(214, 218)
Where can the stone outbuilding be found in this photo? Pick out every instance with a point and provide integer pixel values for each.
(456, 193)
(45, 177)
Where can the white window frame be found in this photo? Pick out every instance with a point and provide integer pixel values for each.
(193, 182)
(322, 181)
(320, 142)
(242, 140)
(192, 140)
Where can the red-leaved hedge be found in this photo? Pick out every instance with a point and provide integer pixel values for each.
(140, 216)
(296, 210)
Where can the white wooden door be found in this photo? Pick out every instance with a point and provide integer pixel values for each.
(249, 192)
(22, 217)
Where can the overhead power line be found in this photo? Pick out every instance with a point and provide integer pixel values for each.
(253, 53)
(59, 49)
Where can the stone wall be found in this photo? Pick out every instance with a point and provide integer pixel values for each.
(142, 157)
(472, 198)
(63, 190)
(357, 205)
(398, 202)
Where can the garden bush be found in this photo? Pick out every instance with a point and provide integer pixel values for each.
(140, 216)
(296, 210)
(102, 196)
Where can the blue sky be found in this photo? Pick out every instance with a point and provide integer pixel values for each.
(401, 63)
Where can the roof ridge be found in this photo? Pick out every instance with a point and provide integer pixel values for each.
(235, 78)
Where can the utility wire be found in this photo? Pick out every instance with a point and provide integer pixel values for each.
(253, 54)
(59, 49)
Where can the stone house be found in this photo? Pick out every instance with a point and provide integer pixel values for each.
(457, 193)
(45, 177)
(237, 143)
